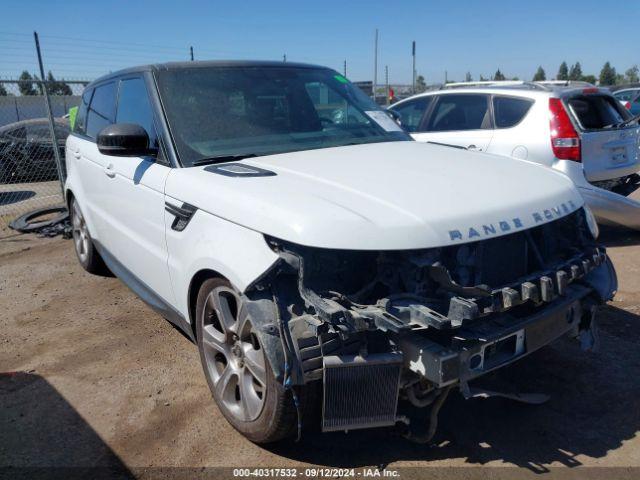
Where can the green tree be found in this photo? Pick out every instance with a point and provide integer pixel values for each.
(421, 85)
(3, 91)
(498, 76)
(468, 77)
(589, 78)
(608, 75)
(631, 75)
(563, 72)
(576, 72)
(55, 87)
(25, 84)
(482, 79)
(540, 75)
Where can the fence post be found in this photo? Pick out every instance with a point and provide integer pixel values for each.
(56, 150)
(15, 102)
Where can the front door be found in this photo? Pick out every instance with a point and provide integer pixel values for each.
(134, 212)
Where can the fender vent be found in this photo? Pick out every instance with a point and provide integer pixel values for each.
(360, 392)
(182, 215)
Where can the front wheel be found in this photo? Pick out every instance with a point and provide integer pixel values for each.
(237, 370)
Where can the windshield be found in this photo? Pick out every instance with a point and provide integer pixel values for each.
(258, 110)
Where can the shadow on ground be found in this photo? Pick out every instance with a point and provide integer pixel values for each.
(42, 435)
(7, 198)
(594, 408)
(618, 236)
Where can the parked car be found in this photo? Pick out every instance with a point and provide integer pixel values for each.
(580, 132)
(317, 255)
(629, 96)
(26, 150)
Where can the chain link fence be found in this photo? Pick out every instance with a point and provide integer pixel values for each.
(29, 174)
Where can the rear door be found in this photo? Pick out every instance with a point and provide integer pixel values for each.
(513, 131)
(606, 152)
(96, 112)
(460, 119)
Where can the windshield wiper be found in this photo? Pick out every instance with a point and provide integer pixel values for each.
(222, 159)
(626, 122)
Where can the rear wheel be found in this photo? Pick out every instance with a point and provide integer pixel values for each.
(87, 254)
(237, 370)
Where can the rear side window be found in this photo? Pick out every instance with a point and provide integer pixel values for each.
(81, 120)
(509, 111)
(102, 109)
(595, 111)
(134, 107)
(411, 113)
(460, 112)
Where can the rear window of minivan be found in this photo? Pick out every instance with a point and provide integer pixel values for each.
(594, 112)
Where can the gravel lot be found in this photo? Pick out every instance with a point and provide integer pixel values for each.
(100, 380)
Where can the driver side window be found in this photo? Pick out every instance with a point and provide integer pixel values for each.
(134, 107)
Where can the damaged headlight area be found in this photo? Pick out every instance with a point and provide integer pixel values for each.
(376, 326)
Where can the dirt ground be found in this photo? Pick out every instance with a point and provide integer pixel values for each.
(90, 376)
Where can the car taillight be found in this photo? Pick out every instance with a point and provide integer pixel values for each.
(565, 141)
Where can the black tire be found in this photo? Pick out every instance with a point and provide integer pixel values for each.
(278, 417)
(88, 256)
(28, 223)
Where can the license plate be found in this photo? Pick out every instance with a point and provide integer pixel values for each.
(619, 155)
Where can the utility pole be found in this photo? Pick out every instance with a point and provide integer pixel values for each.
(284, 58)
(344, 70)
(413, 71)
(52, 130)
(386, 81)
(446, 78)
(375, 66)
(191, 50)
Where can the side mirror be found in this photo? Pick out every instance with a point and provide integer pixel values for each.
(124, 140)
(395, 116)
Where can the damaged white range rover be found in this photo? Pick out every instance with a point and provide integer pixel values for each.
(318, 256)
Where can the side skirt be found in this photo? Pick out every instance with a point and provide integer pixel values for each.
(145, 293)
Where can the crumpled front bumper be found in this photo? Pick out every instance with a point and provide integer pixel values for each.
(487, 345)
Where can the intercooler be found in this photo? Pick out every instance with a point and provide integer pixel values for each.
(360, 392)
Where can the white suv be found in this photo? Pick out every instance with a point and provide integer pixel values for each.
(317, 255)
(579, 131)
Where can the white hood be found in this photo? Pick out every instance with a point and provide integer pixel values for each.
(385, 196)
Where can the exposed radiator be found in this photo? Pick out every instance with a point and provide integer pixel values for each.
(360, 392)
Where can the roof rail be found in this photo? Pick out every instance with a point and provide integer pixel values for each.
(541, 85)
(566, 83)
(497, 83)
(483, 83)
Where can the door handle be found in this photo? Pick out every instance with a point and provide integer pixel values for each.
(109, 171)
(76, 153)
(473, 147)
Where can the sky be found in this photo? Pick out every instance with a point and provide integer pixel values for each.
(83, 39)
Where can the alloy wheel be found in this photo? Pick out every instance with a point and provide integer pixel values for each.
(80, 234)
(233, 355)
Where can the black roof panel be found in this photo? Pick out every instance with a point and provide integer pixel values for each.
(203, 64)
